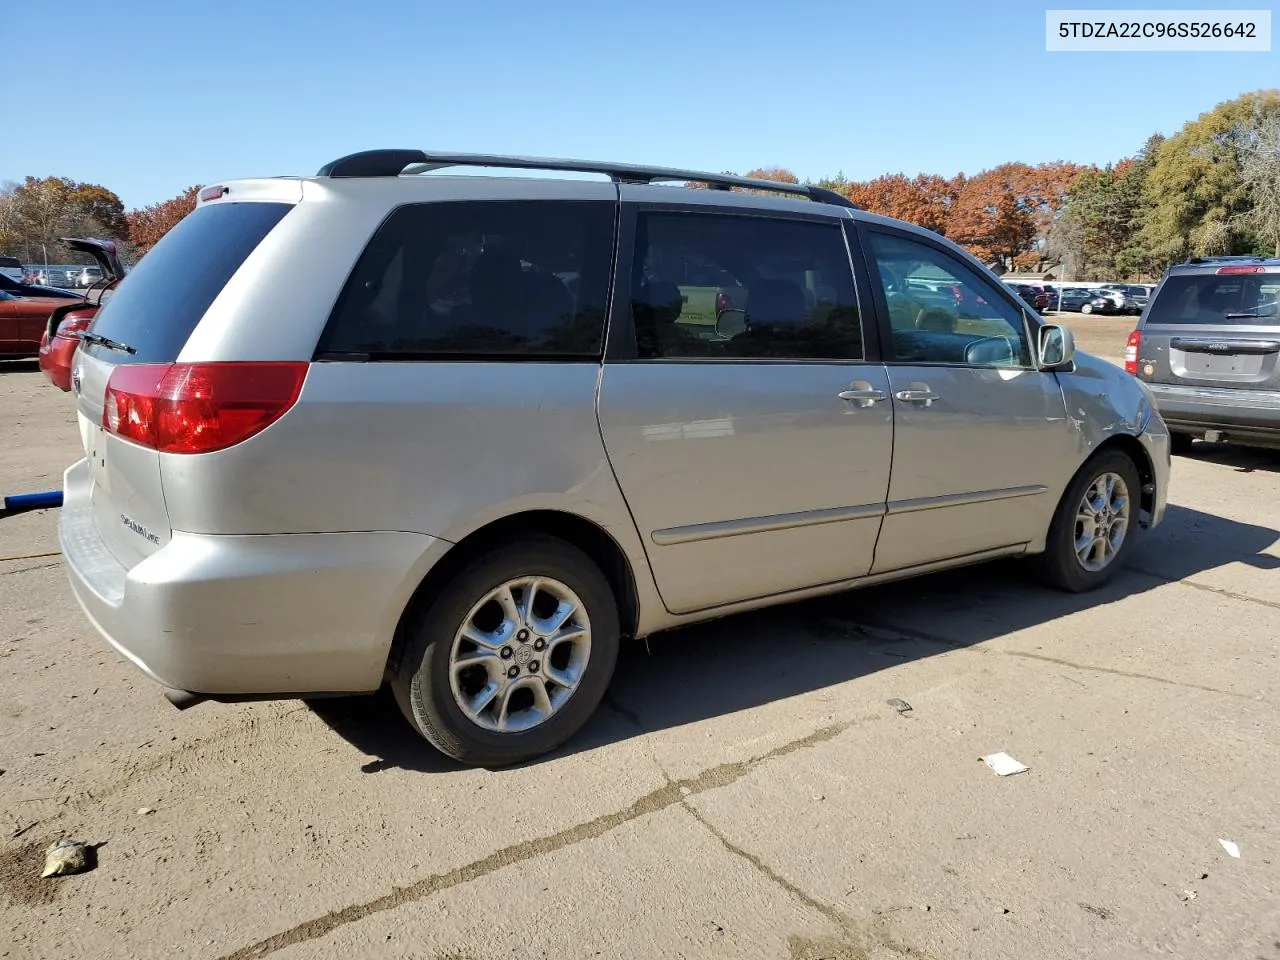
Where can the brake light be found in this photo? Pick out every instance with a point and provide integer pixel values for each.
(213, 193)
(1131, 352)
(198, 407)
(57, 352)
(1228, 271)
(723, 302)
(73, 326)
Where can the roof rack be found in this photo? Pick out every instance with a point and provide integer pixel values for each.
(1226, 259)
(392, 163)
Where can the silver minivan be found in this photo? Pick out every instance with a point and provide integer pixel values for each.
(491, 426)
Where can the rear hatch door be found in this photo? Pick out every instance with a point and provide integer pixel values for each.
(148, 321)
(1220, 328)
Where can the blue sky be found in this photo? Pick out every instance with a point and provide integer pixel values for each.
(165, 94)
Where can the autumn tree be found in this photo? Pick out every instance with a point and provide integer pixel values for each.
(37, 212)
(988, 218)
(1200, 201)
(148, 224)
(923, 200)
(779, 174)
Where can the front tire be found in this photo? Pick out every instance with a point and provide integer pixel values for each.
(1095, 524)
(512, 656)
(1086, 308)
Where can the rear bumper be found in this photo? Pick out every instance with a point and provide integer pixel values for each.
(1245, 416)
(243, 615)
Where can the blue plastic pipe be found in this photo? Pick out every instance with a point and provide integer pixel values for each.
(21, 502)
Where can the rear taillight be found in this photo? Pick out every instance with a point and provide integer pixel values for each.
(58, 351)
(198, 407)
(723, 302)
(1228, 271)
(73, 326)
(1131, 352)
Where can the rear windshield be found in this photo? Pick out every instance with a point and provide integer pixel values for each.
(158, 306)
(1208, 298)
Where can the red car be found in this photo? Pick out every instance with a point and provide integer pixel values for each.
(23, 321)
(60, 335)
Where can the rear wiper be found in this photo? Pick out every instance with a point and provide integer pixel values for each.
(107, 342)
(1247, 316)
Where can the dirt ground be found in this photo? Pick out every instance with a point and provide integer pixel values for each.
(746, 791)
(1099, 335)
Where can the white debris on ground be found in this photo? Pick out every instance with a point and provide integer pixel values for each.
(1004, 765)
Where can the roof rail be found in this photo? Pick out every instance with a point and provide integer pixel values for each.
(1221, 259)
(392, 163)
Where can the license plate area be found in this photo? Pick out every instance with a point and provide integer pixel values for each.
(1221, 364)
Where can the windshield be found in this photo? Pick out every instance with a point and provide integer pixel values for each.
(1208, 298)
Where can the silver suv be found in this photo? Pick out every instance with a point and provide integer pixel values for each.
(492, 426)
(1209, 346)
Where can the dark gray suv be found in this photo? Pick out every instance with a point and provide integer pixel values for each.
(1208, 346)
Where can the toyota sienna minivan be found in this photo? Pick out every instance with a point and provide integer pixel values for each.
(494, 425)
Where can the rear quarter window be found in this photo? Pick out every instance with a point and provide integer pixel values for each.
(156, 308)
(495, 279)
(1210, 298)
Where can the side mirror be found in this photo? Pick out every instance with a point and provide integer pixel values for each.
(730, 323)
(1057, 346)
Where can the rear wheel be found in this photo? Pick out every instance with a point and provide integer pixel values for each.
(1095, 524)
(512, 656)
(1180, 443)
(1086, 308)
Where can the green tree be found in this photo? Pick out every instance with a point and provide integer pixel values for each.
(1260, 170)
(1199, 200)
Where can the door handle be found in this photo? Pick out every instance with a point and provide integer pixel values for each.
(861, 394)
(924, 397)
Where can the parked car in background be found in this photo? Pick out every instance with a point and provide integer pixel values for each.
(19, 289)
(1121, 299)
(212, 534)
(22, 322)
(1033, 296)
(11, 268)
(63, 328)
(1073, 298)
(59, 277)
(1129, 297)
(1209, 348)
(87, 277)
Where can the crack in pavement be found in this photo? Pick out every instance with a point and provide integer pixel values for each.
(1230, 594)
(882, 631)
(39, 566)
(843, 922)
(1220, 591)
(671, 793)
(813, 903)
(1130, 674)
(32, 556)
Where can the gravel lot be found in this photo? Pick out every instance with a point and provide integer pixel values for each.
(745, 792)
